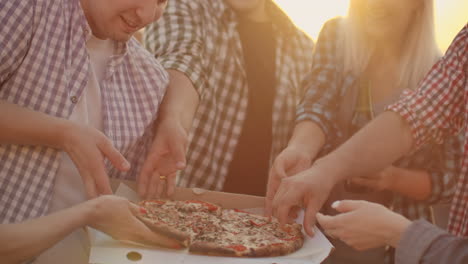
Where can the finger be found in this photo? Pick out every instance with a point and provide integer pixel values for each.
(170, 184)
(160, 187)
(294, 213)
(100, 177)
(134, 208)
(272, 187)
(309, 218)
(368, 182)
(285, 202)
(90, 185)
(327, 222)
(152, 187)
(178, 151)
(347, 205)
(144, 177)
(113, 155)
(333, 233)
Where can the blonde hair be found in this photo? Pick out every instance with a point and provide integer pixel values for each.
(418, 55)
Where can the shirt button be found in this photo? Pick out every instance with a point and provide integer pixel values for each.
(74, 99)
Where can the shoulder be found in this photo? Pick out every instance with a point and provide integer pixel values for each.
(137, 56)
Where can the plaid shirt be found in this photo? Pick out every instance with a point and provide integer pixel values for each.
(327, 86)
(200, 38)
(439, 109)
(44, 66)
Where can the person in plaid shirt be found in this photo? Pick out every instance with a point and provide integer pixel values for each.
(78, 97)
(433, 113)
(239, 66)
(351, 81)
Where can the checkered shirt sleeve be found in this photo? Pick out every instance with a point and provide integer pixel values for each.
(177, 40)
(16, 18)
(323, 92)
(437, 108)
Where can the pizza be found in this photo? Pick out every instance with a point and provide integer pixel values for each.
(207, 229)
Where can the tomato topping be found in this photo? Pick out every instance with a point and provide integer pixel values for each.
(287, 229)
(290, 239)
(209, 206)
(158, 202)
(256, 224)
(277, 244)
(143, 210)
(240, 211)
(237, 247)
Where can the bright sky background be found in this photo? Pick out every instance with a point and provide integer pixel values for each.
(451, 16)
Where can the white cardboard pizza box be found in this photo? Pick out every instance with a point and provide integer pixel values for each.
(105, 250)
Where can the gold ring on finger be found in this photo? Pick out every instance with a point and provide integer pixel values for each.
(162, 178)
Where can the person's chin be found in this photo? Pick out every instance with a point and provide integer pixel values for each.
(122, 36)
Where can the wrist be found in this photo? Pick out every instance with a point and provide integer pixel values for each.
(87, 212)
(64, 130)
(396, 229)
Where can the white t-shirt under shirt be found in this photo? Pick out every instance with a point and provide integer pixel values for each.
(69, 189)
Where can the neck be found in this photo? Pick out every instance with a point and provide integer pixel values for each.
(389, 50)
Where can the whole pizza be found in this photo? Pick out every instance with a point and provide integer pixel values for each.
(206, 228)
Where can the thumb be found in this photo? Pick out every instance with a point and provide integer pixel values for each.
(347, 205)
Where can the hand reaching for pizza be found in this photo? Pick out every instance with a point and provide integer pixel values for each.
(308, 189)
(87, 148)
(290, 161)
(116, 216)
(364, 225)
(165, 158)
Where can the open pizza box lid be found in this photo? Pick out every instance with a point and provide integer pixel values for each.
(106, 250)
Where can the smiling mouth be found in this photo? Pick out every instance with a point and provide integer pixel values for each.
(130, 25)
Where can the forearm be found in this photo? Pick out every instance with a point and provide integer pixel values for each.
(370, 150)
(23, 126)
(415, 184)
(23, 241)
(181, 100)
(308, 136)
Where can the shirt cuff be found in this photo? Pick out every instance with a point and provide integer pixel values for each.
(415, 241)
(317, 119)
(194, 73)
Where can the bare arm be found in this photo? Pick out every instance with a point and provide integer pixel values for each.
(308, 136)
(415, 184)
(23, 241)
(180, 101)
(110, 214)
(391, 138)
(23, 126)
(86, 146)
(167, 154)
